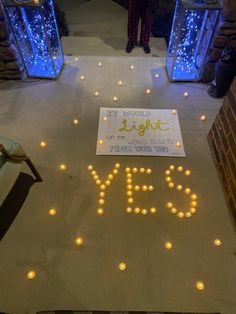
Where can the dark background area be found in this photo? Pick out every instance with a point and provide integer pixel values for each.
(163, 11)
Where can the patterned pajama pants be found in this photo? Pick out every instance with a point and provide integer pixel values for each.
(139, 9)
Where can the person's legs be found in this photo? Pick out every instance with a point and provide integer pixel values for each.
(146, 21)
(133, 19)
(225, 74)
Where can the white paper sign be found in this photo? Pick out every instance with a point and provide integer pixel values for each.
(139, 132)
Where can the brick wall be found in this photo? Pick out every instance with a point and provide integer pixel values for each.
(11, 66)
(222, 140)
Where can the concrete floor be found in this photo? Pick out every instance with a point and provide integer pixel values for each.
(88, 278)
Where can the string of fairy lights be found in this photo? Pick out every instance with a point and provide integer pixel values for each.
(34, 28)
(130, 172)
(192, 29)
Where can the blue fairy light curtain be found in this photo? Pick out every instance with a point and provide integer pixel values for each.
(193, 27)
(35, 29)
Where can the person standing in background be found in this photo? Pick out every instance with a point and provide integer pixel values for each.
(139, 10)
(222, 54)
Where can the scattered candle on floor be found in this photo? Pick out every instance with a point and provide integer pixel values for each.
(31, 275)
(122, 266)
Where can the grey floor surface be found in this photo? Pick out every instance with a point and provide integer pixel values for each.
(88, 278)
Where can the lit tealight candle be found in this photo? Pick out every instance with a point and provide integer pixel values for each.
(129, 193)
(173, 210)
(130, 200)
(200, 285)
(188, 214)
(120, 83)
(108, 182)
(174, 111)
(168, 172)
(217, 242)
(115, 171)
(103, 187)
(192, 210)
(100, 211)
(93, 173)
(180, 169)
(187, 173)
(178, 145)
(98, 182)
(76, 121)
(169, 205)
(193, 197)
(100, 142)
(110, 176)
(148, 91)
(187, 191)
(122, 266)
(31, 275)
(179, 187)
(153, 210)
(180, 214)
(90, 167)
(100, 64)
(132, 67)
(129, 175)
(142, 170)
(150, 188)
(62, 167)
(129, 187)
(137, 210)
(43, 144)
(168, 245)
(168, 179)
(102, 194)
(129, 181)
(82, 77)
(101, 201)
(137, 188)
(96, 177)
(172, 167)
(117, 166)
(52, 212)
(144, 188)
(79, 241)
(171, 185)
(194, 204)
(135, 170)
(144, 212)
(129, 210)
(127, 169)
(203, 118)
(149, 171)
(186, 94)
(96, 94)
(115, 98)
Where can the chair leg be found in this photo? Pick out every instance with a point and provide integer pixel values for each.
(34, 170)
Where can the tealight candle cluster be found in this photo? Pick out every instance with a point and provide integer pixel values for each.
(193, 197)
(103, 185)
(144, 188)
